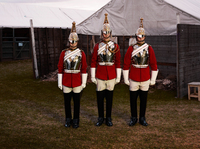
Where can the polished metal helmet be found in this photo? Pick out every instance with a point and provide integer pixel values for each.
(106, 26)
(73, 36)
(140, 31)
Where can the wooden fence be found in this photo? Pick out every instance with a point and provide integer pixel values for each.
(176, 55)
(188, 57)
(50, 42)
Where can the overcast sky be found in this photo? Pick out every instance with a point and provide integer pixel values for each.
(77, 4)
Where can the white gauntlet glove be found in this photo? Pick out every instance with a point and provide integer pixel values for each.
(60, 80)
(93, 72)
(153, 77)
(84, 79)
(126, 76)
(119, 72)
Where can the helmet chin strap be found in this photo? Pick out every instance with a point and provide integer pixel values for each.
(106, 37)
(141, 41)
(73, 47)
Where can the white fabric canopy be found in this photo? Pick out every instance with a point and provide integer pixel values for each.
(18, 15)
(160, 16)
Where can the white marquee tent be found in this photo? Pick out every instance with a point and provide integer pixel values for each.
(160, 16)
(18, 15)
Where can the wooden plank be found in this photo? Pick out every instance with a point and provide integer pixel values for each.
(13, 45)
(46, 49)
(87, 49)
(54, 56)
(1, 44)
(39, 52)
(166, 64)
(61, 40)
(123, 49)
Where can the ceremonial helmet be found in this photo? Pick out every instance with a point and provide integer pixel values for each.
(106, 26)
(73, 36)
(140, 31)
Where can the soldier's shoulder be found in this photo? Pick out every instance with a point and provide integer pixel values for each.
(132, 45)
(81, 50)
(65, 49)
(148, 44)
(115, 43)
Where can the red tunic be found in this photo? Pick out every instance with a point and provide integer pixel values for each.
(140, 74)
(105, 72)
(72, 79)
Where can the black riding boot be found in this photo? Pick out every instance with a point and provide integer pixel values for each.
(67, 104)
(143, 104)
(100, 105)
(109, 99)
(75, 123)
(76, 98)
(133, 106)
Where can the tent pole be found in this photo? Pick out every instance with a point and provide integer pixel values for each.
(178, 18)
(33, 47)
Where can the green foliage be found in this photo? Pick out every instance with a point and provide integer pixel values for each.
(32, 116)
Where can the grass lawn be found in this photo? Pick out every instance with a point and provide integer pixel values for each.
(32, 116)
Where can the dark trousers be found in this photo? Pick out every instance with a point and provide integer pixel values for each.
(133, 102)
(67, 103)
(100, 102)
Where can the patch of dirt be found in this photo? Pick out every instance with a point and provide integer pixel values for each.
(52, 76)
(168, 83)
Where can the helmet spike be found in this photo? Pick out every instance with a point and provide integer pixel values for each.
(106, 18)
(141, 22)
(73, 35)
(140, 32)
(73, 27)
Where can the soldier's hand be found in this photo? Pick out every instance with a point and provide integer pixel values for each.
(83, 85)
(60, 87)
(60, 81)
(117, 80)
(152, 82)
(94, 80)
(127, 82)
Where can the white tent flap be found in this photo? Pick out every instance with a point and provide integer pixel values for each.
(18, 15)
(160, 17)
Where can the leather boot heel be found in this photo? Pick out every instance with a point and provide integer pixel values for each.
(75, 123)
(100, 121)
(109, 121)
(142, 121)
(133, 121)
(68, 122)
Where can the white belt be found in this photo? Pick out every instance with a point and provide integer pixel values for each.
(72, 71)
(140, 66)
(106, 63)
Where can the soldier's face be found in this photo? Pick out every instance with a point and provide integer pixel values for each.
(106, 37)
(140, 40)
(73, 45)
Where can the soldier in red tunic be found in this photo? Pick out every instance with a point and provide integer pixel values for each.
(105, 72)
(139, 61)
(72, 77)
